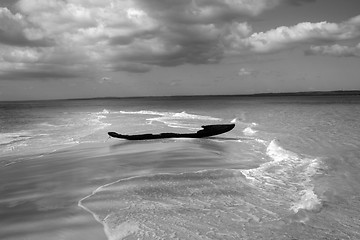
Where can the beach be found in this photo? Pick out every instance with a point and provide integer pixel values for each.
(288, 170)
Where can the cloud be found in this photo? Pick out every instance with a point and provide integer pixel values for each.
(204, 11)
(16, 31)
(130, 67)
(43, 63)
(9, 4)
(334, 50)
(38, 74)
(244, 72)
(80, 37)
(21, 55)
(298, 2)
(168, 33)
(303, 33)
(129, 35)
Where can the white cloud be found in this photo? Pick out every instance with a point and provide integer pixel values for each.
(334, 50)
(21, 55)
(78, 37)
(43, 62)
(204, 11)
(128, 35)
(286, 37)
(56, 16)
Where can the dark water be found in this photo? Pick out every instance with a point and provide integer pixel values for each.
(289, 170)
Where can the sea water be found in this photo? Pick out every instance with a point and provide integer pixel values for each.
(289, 169)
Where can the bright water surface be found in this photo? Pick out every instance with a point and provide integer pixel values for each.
(289, 169)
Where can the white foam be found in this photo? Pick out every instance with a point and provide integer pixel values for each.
(56, 133)
(96, 121)
(7, 138)
(249, 131)
(119, 231)
(144, 112)
(189, 204)
(105, 111)
(261, 141)
(10, 142)
(183, 115)
(290, 174)
(277, 153)
(46, 124)
(173, 119)
(173, 115)
(308, 201)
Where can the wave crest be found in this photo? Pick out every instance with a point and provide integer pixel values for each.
(289, 175)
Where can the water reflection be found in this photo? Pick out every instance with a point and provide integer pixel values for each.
(39, 196)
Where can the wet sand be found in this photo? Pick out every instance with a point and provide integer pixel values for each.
(40, 194)
(288, 171)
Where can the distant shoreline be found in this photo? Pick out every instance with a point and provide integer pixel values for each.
(280, 94)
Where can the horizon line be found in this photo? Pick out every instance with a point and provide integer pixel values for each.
(266, 94)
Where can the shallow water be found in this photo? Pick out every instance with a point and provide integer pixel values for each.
(289, 170)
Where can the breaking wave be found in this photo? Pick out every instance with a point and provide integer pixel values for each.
(221, 203)
(170, 119)
(291, 176)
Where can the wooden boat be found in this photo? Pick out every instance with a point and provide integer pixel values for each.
(207, 131)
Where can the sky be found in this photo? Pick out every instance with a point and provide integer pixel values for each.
(54, 49)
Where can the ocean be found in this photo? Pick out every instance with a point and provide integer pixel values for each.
(288, 170)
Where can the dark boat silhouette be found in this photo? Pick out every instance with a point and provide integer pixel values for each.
(207, 131)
